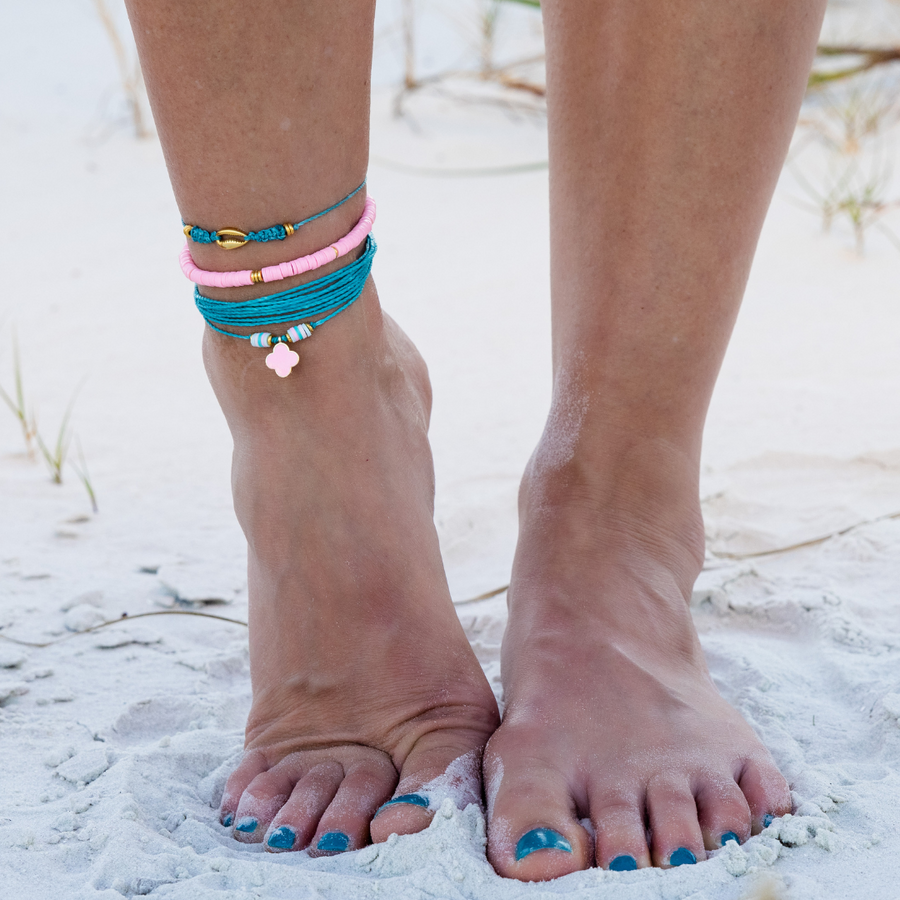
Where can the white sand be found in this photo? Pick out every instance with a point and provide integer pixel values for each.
(116, 744)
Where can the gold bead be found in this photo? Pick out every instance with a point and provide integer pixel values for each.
(256, 276)
(187, 230)
(288, 229)
(337, 252)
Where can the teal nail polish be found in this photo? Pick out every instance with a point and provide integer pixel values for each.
(541, 839)
(333, 842)
(730, 836)
(282, 838)
(228, 820)
(412, 799)
(768, 819)
(246, 825)
(623, 863)
(682, 857)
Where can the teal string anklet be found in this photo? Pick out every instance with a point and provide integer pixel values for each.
(232, 238)
(330, 294)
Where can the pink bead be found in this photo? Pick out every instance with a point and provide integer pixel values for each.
(286, 269)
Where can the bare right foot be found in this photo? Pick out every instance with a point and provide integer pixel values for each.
(364, 685)
(611, 713)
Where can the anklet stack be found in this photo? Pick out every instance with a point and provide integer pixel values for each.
(325, 296)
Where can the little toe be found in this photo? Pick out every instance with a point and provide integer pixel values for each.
(264, 797)
(344, 825)
(674, 825)
(766, 790)
(723, 813)
(433, 770)
(619, 832)
(295, 823)
(252, 764)
(533, 831)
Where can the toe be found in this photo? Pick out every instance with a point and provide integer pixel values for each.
(344, 825)
(436, 768)
(723, 812)
(252, 764)
(674, 825)
(619, 831)
(296, 822)
(766, 791)
(533, 830)
(264, 797)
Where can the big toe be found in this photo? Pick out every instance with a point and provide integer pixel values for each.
(766, 791)
(439, 767)
(533, 829)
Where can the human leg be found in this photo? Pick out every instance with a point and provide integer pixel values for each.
(362, 676)
(668, 124)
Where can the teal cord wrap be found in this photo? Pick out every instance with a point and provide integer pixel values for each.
(276, 232)
(331, 293)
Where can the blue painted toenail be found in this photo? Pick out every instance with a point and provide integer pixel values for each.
(412, 799)
(768, 819)
(623, 864)
(246, 825)
(541, 839)
(228, 820)
(282, 838)
(333, 842)
(682, 857)
(730, 836)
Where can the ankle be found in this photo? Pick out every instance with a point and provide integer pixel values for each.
(354, 348)
(630, 493)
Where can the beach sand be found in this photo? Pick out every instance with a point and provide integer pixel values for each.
(116, 743)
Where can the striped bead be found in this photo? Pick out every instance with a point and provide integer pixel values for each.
(299, 332)
(261, 339)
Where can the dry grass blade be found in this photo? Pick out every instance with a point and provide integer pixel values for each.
(486, 69)
(56, 458)
(81, 470)
(854, 178)
(871, 57)
(125, 618)
(810, 543)
(129, 74)
(487, 595)
(17, 404)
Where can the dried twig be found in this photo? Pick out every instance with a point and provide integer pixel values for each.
(129, 73)
(871, 57)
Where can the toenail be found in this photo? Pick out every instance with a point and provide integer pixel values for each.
(333, 842)
(412, 799)
(768, 819)
(730, 836)
(247, 825)
(541, 839)
(623, 863)
(228, 820)
(282, 838)
(682, 857)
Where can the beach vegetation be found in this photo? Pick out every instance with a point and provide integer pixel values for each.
(131, 79)
(54, 454)
(16, 402)
(843, 158)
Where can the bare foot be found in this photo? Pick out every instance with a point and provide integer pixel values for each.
(364, 685)
(611, 712)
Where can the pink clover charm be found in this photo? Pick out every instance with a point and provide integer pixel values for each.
(282, 359)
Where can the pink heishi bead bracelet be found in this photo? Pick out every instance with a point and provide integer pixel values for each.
(287, 269)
